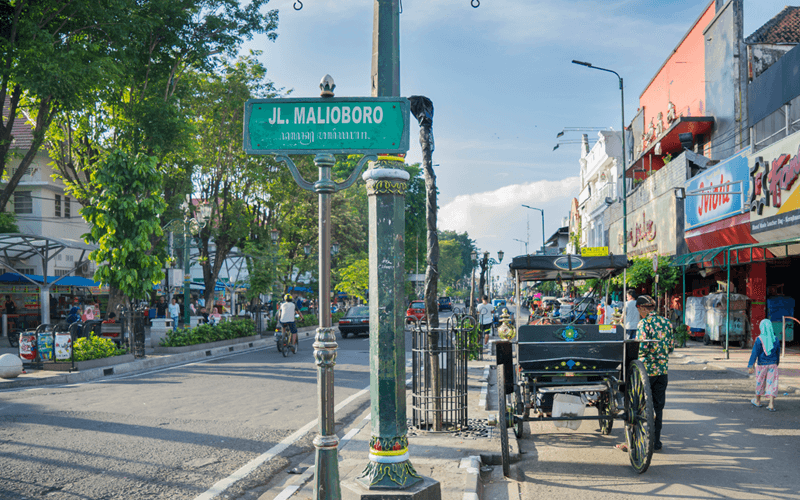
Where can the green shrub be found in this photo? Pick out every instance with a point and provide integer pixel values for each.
(92, 347)
(202, 334)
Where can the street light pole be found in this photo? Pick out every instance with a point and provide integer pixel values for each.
(624, 171)
(541, 210)
(526, 245)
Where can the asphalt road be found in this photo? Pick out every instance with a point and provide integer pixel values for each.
(169, 433)
(716, 445)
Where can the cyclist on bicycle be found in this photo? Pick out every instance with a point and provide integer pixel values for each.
(286, 316)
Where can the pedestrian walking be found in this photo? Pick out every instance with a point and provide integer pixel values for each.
(485, 311)
(161, 308)
(631, 315)
(655, 357)
(767, 351)
(174, 313)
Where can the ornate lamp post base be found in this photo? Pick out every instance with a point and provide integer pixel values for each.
(389, 465)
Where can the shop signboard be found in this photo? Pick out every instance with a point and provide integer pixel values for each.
(721, 201)
(651, 229)
(774, 194)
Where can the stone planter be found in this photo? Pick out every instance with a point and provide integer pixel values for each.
(206, 346)
(65, 366)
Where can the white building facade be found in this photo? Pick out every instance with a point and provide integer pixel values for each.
(601, 175)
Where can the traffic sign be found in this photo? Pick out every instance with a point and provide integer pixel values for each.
(344, 125)
(594, 251)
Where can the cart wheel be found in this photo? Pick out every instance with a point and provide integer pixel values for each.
(604, 409)
(706, 339)
(640, 425)
(743, 344)
(521, 411)
(502, 421)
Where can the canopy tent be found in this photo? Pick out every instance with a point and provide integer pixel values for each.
(51, 280)
(566, 267)
(17, 248)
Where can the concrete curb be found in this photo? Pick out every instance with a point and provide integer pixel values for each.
(473, 486)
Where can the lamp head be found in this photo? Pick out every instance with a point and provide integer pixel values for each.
(307, 249)
(274, 234)
(334, 248)
(474, 256)
(500, 255)
(588, 65)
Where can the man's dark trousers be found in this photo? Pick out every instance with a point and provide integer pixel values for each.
(658, 387)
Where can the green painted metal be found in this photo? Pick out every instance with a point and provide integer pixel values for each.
(389, 466)
(342, 125)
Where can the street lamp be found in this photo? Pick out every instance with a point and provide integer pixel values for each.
(474, 256)
(189, 226)
(624, 171)
(491, 262)
(274, 234)
(526, 245)
(541, 210)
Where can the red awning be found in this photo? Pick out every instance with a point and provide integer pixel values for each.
(723, 233)
(670, 143)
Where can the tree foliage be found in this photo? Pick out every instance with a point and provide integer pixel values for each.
(354, 279)
(53, 57)
(123, 216)
(640, 274)
(451, 266)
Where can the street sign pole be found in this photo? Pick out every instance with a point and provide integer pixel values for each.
(324, 127)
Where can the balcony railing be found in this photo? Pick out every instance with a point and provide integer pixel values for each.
(599, 197)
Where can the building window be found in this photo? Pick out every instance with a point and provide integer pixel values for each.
(61, 272)
(23, 202)
(66, 207)
(58, 206)
(25, 270)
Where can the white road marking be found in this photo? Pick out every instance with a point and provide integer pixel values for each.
(249, 467)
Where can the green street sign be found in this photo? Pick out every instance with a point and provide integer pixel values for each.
(344, 125)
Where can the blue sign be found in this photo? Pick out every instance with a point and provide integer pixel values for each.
(720, 202)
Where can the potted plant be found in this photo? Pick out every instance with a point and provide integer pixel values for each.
(681, 335)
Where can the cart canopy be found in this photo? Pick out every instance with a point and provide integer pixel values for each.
(567, 267)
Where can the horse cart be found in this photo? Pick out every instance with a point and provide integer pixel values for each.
(553, 371)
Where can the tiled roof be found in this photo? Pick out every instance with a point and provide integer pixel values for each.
(783, 28)
(22, 131)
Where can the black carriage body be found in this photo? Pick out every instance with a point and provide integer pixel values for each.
(573, 350)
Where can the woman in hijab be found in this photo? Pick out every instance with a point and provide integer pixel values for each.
(766, 350)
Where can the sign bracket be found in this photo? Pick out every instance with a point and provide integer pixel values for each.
(325, 184)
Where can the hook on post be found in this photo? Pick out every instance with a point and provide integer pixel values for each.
(475, 3)
(298, 5)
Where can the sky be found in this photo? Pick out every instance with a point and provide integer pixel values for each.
(502, 84)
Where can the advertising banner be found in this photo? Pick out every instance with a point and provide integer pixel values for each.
(774, 194)
(651, 229)
(720, 202)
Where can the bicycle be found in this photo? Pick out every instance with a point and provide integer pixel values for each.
(283, 341)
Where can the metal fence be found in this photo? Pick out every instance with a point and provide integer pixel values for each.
(439, 374)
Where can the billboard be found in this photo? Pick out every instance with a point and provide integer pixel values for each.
(722, 201)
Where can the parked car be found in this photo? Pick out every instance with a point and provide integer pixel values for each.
(416, 311)
(445, 304)
(355, 321)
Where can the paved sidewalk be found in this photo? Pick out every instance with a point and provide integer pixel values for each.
(736, 361)
(466, 464)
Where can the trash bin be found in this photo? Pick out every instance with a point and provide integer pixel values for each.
(45, 344)
(28, 350)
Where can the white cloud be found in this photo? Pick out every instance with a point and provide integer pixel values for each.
(488, 214)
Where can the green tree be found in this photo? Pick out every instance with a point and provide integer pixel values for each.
(8, 223)
(354, 279)
(53, 56)
(451, 267)
(123, 217)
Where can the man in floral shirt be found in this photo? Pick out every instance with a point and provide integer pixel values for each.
(655, 355)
